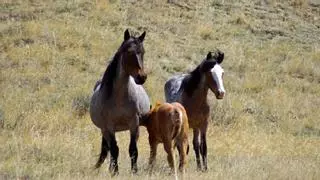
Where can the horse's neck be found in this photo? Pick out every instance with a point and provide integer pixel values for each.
(199, 94)
(121, 83)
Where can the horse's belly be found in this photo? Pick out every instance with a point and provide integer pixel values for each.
(121, 126)
(198, 119)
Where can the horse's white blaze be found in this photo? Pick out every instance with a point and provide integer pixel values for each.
(217, 72)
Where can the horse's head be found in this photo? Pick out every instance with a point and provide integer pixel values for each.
(132, 52)
(214, 73)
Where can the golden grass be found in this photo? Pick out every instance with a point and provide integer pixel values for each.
(52, 53)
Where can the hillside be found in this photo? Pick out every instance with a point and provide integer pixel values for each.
(53, 51)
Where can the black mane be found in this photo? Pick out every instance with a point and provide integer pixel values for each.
(111, 71)
(191, 81)
(110, 75)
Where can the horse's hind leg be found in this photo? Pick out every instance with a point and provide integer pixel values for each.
(183, 149)
(153, 153)
(103, 153)
(133, 150)
(196, 147)
(114, 151)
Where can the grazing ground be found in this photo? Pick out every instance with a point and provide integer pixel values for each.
(53, 51)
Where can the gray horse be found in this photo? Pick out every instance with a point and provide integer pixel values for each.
(119, 100)
(191, 91)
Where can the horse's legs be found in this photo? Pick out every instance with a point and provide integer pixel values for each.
(133, 150)
(182, 149)
(114, 151)
(153, 153)
(203, 146)
(103, 153)
(169, 149)
(196, 146)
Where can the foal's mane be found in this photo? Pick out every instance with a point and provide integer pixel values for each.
(192, 80)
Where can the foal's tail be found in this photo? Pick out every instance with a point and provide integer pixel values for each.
(176, 116)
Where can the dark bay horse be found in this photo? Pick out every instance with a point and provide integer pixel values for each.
(119, 100)
(191, 91)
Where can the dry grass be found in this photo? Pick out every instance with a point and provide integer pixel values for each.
(52, 53)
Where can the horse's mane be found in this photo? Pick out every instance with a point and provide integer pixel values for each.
(191, 81)
(111, 71)
(110, 75)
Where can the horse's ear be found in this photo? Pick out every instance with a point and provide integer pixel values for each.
(209, 55)
(220, 57)
(141, 38)
(126, 35)
(207, 65)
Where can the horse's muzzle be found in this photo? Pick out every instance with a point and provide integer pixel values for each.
(220, 94)
(140, 79)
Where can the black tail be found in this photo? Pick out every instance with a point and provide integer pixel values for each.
(103, 154)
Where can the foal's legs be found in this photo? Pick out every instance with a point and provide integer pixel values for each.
(133, 150)
(114, 151)
(182, 149)
(153, 153)
(203, 146)
(196, 146)
(169, 149)
(103, 153)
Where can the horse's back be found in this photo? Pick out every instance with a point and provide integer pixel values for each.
(172, 88)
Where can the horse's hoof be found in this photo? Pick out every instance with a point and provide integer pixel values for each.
(134, 170)
(98, 165)
(114, 173)
(199, 168)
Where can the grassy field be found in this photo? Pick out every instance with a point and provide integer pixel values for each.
(53, 51)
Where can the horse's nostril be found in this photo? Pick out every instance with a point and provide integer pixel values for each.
(140, 79)
(220, 94)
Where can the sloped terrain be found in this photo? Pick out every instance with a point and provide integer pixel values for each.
(53, 51)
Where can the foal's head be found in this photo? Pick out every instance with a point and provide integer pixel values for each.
(132, 52)
(214, 73)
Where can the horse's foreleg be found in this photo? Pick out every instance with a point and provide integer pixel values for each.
(114, 151)
(133, 150)
(196, 147)
(203, 147)
(103, 153)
